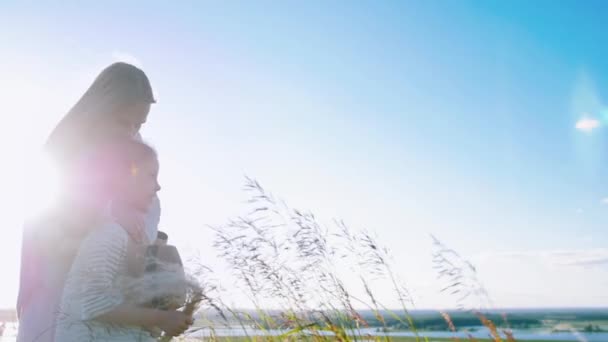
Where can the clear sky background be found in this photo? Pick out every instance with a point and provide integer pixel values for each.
(481, 122)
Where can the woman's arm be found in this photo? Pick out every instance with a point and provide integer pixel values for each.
(126, 314)
(104, 253)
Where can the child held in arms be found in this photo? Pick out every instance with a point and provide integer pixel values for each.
(98, 299)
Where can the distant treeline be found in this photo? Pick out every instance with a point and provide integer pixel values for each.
(460, 319)
(434, 320)
(514, 318)
(8, 315)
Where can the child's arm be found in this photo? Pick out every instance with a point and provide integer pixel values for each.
(104, 253)
(173, 323)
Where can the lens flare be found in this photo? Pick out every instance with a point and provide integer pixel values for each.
(42, 186)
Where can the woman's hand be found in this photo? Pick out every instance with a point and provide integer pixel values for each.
(174, 323)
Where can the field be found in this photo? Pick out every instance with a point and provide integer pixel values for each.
(272, 249)
(394, 339)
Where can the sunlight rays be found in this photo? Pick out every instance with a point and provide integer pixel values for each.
(41, 185)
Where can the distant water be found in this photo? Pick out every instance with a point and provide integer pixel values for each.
(483, 332)
(11, 331)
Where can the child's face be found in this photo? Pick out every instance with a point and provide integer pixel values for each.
(142, 185)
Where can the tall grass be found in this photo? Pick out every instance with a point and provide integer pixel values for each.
(460, 279)
(285, 256)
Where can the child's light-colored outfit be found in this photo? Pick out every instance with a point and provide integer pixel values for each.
(95, 285)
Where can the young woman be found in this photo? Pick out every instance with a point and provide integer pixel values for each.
(115, 106)
(95, 305)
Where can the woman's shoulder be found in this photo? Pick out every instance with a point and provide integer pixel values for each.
(41, 223)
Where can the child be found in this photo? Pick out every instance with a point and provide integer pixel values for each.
(94, 304)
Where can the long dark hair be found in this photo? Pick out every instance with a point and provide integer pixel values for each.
(118, 85)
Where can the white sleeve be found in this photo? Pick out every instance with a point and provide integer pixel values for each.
(152, 219)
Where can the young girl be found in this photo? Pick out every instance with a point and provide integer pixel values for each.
(94, 306)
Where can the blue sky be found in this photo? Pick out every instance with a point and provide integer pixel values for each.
(456, 118)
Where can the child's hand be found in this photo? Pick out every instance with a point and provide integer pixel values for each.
(174, 323)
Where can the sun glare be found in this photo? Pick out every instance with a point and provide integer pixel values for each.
(42, 186)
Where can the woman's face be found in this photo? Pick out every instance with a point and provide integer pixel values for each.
(127, 121)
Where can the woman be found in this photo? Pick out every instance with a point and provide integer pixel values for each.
(115, 106)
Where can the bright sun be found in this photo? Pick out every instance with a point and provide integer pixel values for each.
(41, 185)
(29, 182)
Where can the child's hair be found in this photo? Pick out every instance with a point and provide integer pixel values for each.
(104, 170)
(125, 155)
